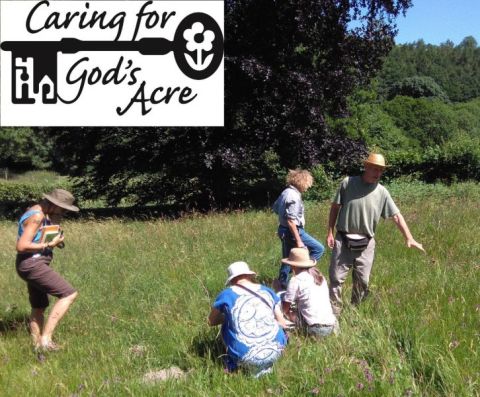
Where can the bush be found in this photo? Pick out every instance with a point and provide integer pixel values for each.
(323, 186)
(457, 160)
(429, 121)
(21, 149)
(418, 87)
(16, 197)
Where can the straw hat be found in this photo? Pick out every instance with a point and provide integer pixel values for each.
(61, 198)
(238, 269)
(375, 159)
(299, 257)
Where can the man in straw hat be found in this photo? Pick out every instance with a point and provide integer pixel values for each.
(252, 322)
(308, 290)
(33, 266)
(355, 211)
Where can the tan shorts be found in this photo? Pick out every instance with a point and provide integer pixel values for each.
(41, 279)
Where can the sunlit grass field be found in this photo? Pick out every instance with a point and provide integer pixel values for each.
(145, 289)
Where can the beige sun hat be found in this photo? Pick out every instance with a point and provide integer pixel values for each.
(375, 159)
(238, 269)
(61, 198)
(299, 257)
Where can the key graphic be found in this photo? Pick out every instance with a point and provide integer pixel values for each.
(197, 47)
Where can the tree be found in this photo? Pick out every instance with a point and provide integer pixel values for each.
(430, 122)
(455, 69)
(288, 65)
(20, 149)
(418, 87)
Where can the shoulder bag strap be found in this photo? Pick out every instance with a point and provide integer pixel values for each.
(257, 295)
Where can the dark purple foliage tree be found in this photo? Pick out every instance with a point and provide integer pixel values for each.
(288, 64)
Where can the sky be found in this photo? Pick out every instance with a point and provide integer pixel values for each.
(436, 21)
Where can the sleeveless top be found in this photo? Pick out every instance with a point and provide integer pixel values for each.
(24, 217)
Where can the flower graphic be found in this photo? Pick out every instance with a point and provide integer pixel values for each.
(198, 40)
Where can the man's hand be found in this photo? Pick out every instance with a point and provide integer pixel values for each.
(332, 219)
(411, 243)
(330, 240)
(402, 226)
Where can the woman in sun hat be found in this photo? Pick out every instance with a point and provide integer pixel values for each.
(252, 322)
(33, 265)
(308, 290)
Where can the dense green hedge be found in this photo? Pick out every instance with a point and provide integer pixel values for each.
(454, 161)
(16, 197)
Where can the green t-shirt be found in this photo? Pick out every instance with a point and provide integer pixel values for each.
(362, 206)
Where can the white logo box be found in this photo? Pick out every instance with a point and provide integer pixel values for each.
(111, 63)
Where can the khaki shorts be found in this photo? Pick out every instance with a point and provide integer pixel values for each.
(41, 279)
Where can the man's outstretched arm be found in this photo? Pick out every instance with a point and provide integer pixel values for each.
(403, 227)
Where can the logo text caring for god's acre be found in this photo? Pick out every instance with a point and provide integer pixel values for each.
(101, 63)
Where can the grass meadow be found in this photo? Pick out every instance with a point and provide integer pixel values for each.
(145, 289)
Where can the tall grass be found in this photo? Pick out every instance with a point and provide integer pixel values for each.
(145, 289)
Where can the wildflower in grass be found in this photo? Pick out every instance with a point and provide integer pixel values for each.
(453, 344)
(360, 386)
(138, 350)
(328, 370)
(368, 375)
(391, 377)
(315, 391)
(362, 363)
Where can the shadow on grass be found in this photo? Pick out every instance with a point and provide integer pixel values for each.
(13, 210)
(13, 324)
(128, 213)
(208, 344)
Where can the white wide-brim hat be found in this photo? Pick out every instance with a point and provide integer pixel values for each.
(238, 269)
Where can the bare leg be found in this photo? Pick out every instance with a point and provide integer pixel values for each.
(58, 311)
(36, 325)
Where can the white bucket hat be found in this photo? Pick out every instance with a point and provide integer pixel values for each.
(237, 269)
